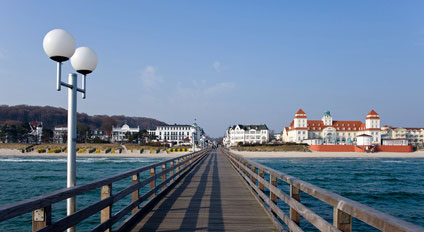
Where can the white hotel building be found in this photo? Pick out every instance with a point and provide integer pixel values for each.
(329, 131)
(246, 134)
(118, 133)
(402, 135)
(179, 134)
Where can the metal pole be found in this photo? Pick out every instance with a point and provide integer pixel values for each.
(58, 79)
(84, 86)
(72, 140)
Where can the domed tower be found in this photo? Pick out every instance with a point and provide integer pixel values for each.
(327, 119)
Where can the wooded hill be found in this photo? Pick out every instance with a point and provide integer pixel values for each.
(54, 116)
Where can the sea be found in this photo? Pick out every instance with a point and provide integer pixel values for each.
(393, 186)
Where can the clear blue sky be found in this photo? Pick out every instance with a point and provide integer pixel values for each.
(225, 62)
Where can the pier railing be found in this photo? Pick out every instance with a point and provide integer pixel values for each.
(343, 209)
(41, 206)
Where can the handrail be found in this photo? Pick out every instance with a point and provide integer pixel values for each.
(41, 205)
(344, 208)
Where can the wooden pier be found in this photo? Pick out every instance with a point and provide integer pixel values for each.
(209, 190)
(211, 197)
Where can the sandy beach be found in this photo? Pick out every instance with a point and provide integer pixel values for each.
(248, 154)
(162, 154)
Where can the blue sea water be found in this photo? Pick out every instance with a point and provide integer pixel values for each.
(26, 177)
(394, 186)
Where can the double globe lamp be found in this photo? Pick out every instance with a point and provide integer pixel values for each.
(60, 46)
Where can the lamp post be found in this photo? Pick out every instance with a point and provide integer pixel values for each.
(60, 46)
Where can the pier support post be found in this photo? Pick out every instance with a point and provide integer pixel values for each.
(41, 218)
(153, 183)
(272, 196)
(171, 173)
(105, 213)
(163, 176)
(135, 195)
(253, 170)
(342, 220)
(261, 174)
(177, 168)
(295, 194)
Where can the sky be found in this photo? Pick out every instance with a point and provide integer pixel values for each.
(224, 62)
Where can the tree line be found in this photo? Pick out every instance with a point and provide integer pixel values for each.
(14, 121)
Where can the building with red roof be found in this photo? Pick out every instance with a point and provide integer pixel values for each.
(329, 131)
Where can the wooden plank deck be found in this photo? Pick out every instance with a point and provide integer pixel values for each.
(211, 197)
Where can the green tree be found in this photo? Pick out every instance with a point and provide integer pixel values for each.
(83, 131)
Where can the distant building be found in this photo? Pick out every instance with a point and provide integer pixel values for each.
(60, 134)
(414, 136)
(99, 134)
(246, 134)
(36, 133)
(178, 134)
(329, 131)
(276, 137)
(395, 142)
(119, 133)
(363, 140)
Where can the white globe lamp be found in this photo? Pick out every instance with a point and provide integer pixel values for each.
(59, 45)
(84, 60)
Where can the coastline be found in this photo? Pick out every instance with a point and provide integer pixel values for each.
(162, 154)
(246, 154)
(313, 154)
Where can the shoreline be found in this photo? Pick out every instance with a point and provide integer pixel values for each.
(313, 154)
(162, 154)
(246, 154)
